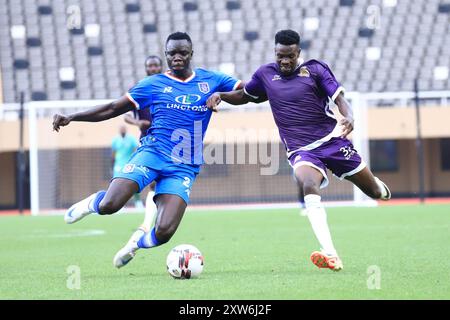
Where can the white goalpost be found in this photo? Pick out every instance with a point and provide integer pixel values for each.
(44, 110)
(360, 139)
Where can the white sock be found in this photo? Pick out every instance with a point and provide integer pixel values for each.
(150, 211)
(318, 219)
(148, 240)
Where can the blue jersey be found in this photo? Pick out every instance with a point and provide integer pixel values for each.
(178, 111)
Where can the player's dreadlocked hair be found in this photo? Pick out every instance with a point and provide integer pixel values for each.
(179, 36)
(287, 37)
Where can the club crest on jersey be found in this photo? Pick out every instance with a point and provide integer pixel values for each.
(203, 87)
(128, 168)
(303, 72)
(276, 77)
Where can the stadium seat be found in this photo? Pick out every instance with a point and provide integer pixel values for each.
(366, 33)
(251, 35)
(132, 7)
(444, 8)
(35, 39)
(38, 96)
(305, 44)
(77, 31)
(149, 28)
(33, 42)
(68, 84)
(21, 64)
(233, 5)
(190, 6)
(45, 10)
(95, 51)
(347, 3)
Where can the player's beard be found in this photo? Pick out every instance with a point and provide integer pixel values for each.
(286, 71)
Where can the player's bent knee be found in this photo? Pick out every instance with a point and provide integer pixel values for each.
(108, 207)
(164, 233)
(310, 187)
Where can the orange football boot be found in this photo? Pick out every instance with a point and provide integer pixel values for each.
(322, 260)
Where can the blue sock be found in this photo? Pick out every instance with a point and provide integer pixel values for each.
(148, 240)
(98, 198)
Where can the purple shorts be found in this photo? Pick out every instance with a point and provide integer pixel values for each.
(338, 155)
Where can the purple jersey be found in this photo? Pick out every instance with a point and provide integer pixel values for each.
(142, 115)
(299, 103)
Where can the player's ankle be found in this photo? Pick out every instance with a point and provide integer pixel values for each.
(313, 201)
(330, 252)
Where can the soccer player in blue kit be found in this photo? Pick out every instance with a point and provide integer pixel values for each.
(170, 153)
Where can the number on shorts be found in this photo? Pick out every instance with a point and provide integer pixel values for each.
(347, 151)
(187, 182)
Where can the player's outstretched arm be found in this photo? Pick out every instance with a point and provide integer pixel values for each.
(235, 97)
(346, 110)
(141, 124)
(96, 114)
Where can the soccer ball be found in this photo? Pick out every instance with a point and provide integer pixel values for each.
(184, 262)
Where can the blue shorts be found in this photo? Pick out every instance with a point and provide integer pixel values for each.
(147, 165)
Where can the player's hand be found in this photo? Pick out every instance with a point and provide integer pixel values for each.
(213, 101)
(60, 121)
(347, 126)
(143, 124)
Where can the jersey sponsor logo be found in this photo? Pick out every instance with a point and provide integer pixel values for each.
(303, 72)
(276, 77)
(184, 107)
(203, 87)
(188, 98)
(167, 89)
(128, 168)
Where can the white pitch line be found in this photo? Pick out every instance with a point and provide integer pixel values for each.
(68, 234)
(237, 207)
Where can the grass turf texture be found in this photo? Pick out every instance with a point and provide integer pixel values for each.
(248, 255)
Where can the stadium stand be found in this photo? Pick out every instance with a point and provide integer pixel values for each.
(105, 42)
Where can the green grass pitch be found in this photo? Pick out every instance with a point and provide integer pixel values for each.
(261, 254)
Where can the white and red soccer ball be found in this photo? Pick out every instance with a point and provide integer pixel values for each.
(184, 262)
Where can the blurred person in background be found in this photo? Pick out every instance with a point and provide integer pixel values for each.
(123, 146)
(142, 119)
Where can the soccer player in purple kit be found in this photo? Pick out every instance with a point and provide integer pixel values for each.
(299, 95)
